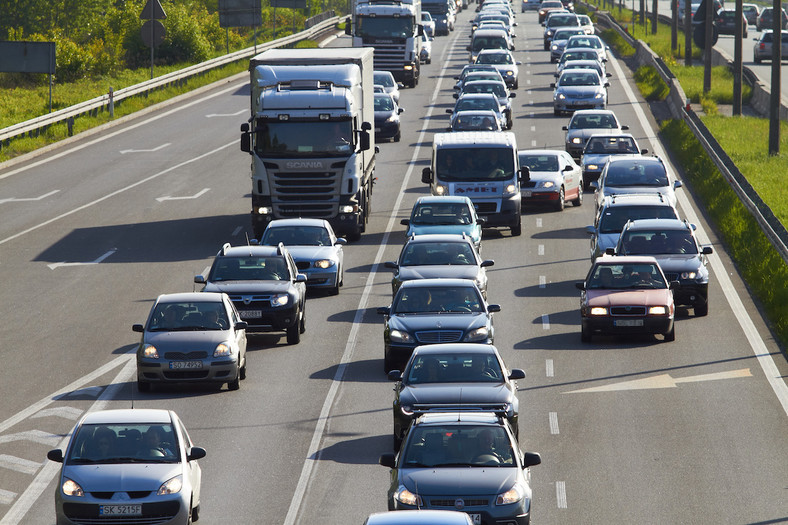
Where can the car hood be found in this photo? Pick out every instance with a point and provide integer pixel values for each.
(628, 297)
(601, 158)
(587, 132)
(312, 253)
(586, 91)
(455, 393)
(383, 115)
(607, 240)
(240, 287)
(126, 477)
(194, 340)
(453, 229)
(541, 176)
(679, 263)
(437, 321)
(467, 481)
(440, 271)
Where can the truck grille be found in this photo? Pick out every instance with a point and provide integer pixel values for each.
(305, 194)
(388, 55)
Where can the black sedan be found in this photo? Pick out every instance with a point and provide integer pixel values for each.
(428, 311)
(387, 112)
(454, 376)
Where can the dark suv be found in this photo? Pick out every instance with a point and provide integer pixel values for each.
(264, 285)
(673, 244)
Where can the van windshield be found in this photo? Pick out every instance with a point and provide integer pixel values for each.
(474, 164)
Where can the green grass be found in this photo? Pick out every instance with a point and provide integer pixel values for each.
(651, 84)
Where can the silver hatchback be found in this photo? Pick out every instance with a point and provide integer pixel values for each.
(763, 47)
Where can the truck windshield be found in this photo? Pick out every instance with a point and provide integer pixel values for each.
(474, 164)
(292, 138)
(384, 27)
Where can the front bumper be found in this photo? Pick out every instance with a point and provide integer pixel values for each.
(538, 195)
(269, 319)
(691, 294)
(573, 104)
(386, 130)
(612, 324)
(491, 514)
(321, 278)
(503, 213)
(209, 370)
(162, 510)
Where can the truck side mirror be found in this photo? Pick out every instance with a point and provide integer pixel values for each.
(348, 27)
(364, 140)
(246, 138)
(426, 176)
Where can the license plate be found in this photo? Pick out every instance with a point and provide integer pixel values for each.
(377, 130)
(526, 193)
(120, 510)
(476, 518)
(180, 365)
(628, 322)
(247, 314)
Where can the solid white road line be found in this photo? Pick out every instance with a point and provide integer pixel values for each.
(549, 369)
(560, 494)
(553, 416)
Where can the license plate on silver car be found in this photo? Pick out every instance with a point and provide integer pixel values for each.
(120, 510)
(181, 365)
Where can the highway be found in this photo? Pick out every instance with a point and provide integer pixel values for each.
(631, 430)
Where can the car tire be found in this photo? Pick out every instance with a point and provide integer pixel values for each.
(387, 364)
(196, 513)
(579, 200)
(561, 204)
(242, 372)
(144, 386)
(294, 334)
(334, 290)
(517, 229)
(702, 310)
(671, 336)
(397, 136)
(585, 335)
(302, 324)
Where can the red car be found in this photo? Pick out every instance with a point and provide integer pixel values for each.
(626, 295)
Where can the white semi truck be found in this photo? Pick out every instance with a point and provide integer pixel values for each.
(393, 28)
(311, 137)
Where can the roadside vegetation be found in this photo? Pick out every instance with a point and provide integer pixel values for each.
(764, 271)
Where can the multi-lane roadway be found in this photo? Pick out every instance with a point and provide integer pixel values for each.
(630, 430)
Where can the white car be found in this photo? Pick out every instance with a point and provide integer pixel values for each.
(425, 55)
(554, 178)
(390, 86)
(128, 466)
(635, 175)
(428, 23)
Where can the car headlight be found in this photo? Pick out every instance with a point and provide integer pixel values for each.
(598, 310)
(599, 96)
(545, 184)
(576, 140)
(509, 73)
(657, 310)
(592, 167)
(441, 189)
(150, 352)
(280, 299)
(171, 486)
(400, 336)
(222, 350)
(689, 275)
(324, 263)
(406, 497)
(392, 119)
(560, 96)
(478, 334)
(513, 495)
(554, 47)
(72, 488)
(407, 410)
(510, 189)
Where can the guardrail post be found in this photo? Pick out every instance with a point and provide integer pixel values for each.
(111, 103)
(70, 125)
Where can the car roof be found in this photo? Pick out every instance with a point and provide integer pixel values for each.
(465, 348)
(635, 159)
(197, 297)
(539, 152)
(436, 282)
(581, 112)
(252, 250)
(419, 517)
(438, 237)
(128, 415)
(298, 222)
(605, 259)
(431, 199)
(490, 32)
(658, 224)
(635, 199)
(460, 418)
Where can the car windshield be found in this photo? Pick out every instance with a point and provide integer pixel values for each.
(384, 103)
(623, 174)
(562, 20)
(449, 213)
(471, 103)
(593, 122)
(593, 43)
(672, 242)
(313, 138)
(564, 34)
(578, 79)
(458, 446)
(577, 64)
(494, 58)
(485, 87)
(475, 123)
(454, 368)
(489, 43)
(437, 299)
(296, 236)
(611, 146)
(252, 268)
(540, 162)
(613, 218)
(124, 443)
(626, 276)
(474, 164)
(438, 253)
(384, 79)
(578, 55)
(184, 316)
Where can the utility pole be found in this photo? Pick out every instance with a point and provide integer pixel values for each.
(774, 102)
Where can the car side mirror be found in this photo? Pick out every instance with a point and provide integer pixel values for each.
(580, 285)
(383, 310)
(609, 75)
(531, 459)
(512, 95)
(341, 241)
(707, 250)
(677, 184)
(241, 325)
(390, 264)
(401, 111)
(449, 111)
(405, 222)
(674, 285)
(481, 220)
(426, 176)
(610, 251)
(467, 48)
(301, 278)
(564, 128)
(195, 453)
(199, 279)
(387, 460)
(137, 328)
(456, 95)
(590, 229)
(394, 375)
(487, 263)
(55, 455)
(594, 184)
(492, 308)
(517, 373)
(624, 128)
(607, 84)
(643, 151)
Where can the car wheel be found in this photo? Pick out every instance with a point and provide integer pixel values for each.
(671, 336)
(556, 112)
(196, 513)
(242, 372)
(387, 364)
(517, 229)
(702, 310)
(516, 84)
(334, 290)
(236, 383)
(579, 200)
(397, 136)
(144, 386)
(294, 334)
(561, 204)
(302, 324)
(585, 335)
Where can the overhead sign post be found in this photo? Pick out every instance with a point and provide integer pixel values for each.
(241, 13)
(153, 31)
(29, 57)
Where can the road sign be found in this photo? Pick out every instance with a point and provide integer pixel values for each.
(153, 11)
(152, 33)
(27, 57)
(699, 35)
(291, 4)
(240, 13)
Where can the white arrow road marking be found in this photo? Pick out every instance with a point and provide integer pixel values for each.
(91, 391)
(212, 115)
(70, 413)
(28, 199)
(97, 261)
(664, 381)
(157, 148)
(6, 497)
(24, 466)
(38, 436)
(195, 196)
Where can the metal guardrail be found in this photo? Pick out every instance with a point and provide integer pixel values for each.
(35, 126)
(774, 230)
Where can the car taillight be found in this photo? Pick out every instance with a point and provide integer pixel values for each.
(763, 46)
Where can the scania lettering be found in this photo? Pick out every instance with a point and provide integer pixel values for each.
(310, 137)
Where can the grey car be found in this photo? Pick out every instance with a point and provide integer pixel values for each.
(635, 175)
(315, 248)
(477, 101)
(504, 62)
(579, 89)
(128, 466)
(585, 123)
(763, 46)
(600, 148)
(558, 42)
(467, 460)
(419, 517)
(495, 87)
(191, 338)
(390, 85)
